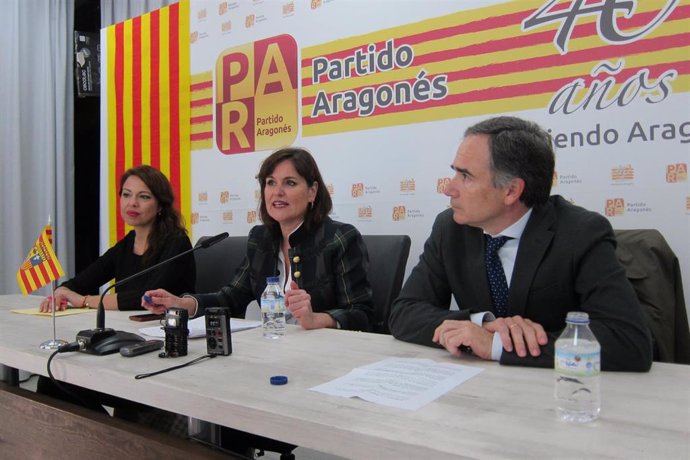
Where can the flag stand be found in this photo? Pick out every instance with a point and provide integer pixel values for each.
(42, 268)
(54, 343)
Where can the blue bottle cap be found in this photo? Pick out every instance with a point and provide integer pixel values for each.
(279, 380)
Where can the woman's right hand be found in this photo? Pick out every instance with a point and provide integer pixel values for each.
(47, 303)
(158, 300)
(62, 299)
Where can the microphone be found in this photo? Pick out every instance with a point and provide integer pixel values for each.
(104, 341)
(208, 242)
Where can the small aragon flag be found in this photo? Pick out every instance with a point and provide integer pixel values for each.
(41, 265)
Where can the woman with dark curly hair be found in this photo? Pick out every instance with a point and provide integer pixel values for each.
(146, 204)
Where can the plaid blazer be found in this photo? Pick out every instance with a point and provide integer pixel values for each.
(329, 262)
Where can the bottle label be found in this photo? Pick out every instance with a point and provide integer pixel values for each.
(273, 305)
(578, 364)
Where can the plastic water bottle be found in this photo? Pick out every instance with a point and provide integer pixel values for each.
(577, 364)
(273, 309)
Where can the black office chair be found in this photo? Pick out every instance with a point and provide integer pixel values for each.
(216, 265)
(387, 262)
(654, 272)
(215, 268)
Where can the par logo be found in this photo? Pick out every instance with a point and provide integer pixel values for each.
(441, 184)
(256, 105)
(676, 173)
(357, 190)
(614, 207)
(398, 213)
(251, 217)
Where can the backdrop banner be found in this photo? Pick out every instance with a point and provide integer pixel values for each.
(381, 92)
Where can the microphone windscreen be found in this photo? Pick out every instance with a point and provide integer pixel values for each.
(214, 239)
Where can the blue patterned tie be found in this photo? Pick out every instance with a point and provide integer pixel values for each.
(496, 275)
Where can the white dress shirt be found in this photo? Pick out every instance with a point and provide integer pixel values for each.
(507, 253)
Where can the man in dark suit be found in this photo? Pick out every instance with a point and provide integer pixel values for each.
(555, 257)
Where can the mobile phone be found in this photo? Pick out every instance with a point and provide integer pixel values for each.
(147, 317)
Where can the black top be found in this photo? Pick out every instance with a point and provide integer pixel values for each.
(119, 262)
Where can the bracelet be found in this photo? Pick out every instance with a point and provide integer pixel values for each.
(85, 303)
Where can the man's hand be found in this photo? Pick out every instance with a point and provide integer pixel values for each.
(452, 334)
(520, 333)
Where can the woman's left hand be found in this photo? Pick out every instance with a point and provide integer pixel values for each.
(298, 301)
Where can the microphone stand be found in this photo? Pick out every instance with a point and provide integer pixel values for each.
(102, 340)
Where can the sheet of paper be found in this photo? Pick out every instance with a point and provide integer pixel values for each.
(69, 311)
(406, 383)
(197, 327)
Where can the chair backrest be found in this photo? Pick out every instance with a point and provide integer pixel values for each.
(387, 262)
(654, 272)
(216, 265)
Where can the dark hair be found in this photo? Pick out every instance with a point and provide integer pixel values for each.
(168, 220)
(519, 149)
(306, 167)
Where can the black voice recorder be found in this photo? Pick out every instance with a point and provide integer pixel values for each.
(218, 340)
(176, 332)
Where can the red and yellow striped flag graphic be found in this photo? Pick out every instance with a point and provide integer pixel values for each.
(148, 84)
(480, 61)
(41, 265)
(202, 110)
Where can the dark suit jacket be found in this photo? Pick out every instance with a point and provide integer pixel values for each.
(565, 262)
